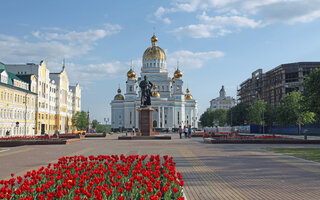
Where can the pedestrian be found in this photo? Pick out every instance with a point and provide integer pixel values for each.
(180, 131)
(189, 131)
(126, 132)
(134, 131)
(185, 131)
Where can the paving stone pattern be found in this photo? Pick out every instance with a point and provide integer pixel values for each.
(210, 171)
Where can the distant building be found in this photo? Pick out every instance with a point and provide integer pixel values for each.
(273, 85)
(222, 102)
(17, 105)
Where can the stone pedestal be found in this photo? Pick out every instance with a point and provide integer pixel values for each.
(145, 121)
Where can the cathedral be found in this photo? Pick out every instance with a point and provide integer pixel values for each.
(172, 107)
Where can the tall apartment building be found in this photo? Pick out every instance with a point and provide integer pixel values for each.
(56, 102)
(17, 105)
(273, 85)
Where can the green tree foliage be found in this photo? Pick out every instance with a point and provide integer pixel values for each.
(270, 115)
(206, 119)
(220, 116)
(311, 92)
(81, 120)
(209, 118)
(290, 108)
(238, 114)
(256, 111)
(94, 123)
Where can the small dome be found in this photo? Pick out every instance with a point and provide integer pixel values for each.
(178, 74)
(119, 96)
(155, 93)
(154, 38)
(188, 96)
(131, 74)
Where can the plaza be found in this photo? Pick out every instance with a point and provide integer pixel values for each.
(210, 171)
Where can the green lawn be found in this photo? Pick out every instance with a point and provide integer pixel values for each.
(305, 153)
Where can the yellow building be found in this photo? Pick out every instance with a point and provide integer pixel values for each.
(56, 102)
(17, 105)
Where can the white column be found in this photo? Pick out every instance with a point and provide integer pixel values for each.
(159, 116)
(162, 116)
(172, 118)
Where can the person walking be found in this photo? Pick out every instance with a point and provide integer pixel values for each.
(180, 131)
(189, 131)
(185, 131)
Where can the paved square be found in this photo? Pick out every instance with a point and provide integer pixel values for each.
(210, 171)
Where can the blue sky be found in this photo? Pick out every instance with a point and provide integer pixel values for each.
(217, 42)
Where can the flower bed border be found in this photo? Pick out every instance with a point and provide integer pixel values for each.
(14, 143)
(156, 137)
(259, 141)
(70, 136)
(96, 135)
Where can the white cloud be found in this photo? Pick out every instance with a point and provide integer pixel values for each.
(229, 21)
(87, 74)
(191, 60)
(160, 12)
(227, 15)
(52, 45)
(194, 31)
(81, 37)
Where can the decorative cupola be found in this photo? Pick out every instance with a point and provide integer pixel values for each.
(119, 96)
(188, 96)
(131, 74)
(155, 93)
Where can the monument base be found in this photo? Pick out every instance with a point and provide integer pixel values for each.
(145, 121)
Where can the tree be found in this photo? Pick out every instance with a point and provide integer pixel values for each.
(94, 123)
(270, 115)
(220, 116)
(80, 120)
(291, 109)
(238, 114)
(256, 111)
(311, 92)
(206, 119)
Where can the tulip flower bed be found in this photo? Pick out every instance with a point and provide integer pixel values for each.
(30, 140)
(71, 135)
(99, 177)
(263, 139)
(25, 138)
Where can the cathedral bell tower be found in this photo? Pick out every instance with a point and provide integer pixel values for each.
(177, 84)
(131, 90)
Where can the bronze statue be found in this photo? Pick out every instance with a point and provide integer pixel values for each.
(146, 93)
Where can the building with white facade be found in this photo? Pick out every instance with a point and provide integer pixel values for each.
(172, 107)
(56, 102)
(17, 105)
(222, 102)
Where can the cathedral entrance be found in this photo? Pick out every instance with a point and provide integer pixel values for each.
(154, 123)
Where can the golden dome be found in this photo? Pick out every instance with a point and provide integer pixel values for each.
(155, 93)
(131, 74)
(119, 95)
(188, 96)
(178, 73)
(154, 52)
(173, 80)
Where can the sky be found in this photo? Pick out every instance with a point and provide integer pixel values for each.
(216, 42)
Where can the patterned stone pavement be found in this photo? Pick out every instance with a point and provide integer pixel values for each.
(210, 171)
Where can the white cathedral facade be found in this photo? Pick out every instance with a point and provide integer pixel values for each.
(172, 107)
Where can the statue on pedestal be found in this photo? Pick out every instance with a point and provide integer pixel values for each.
(146, 93)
